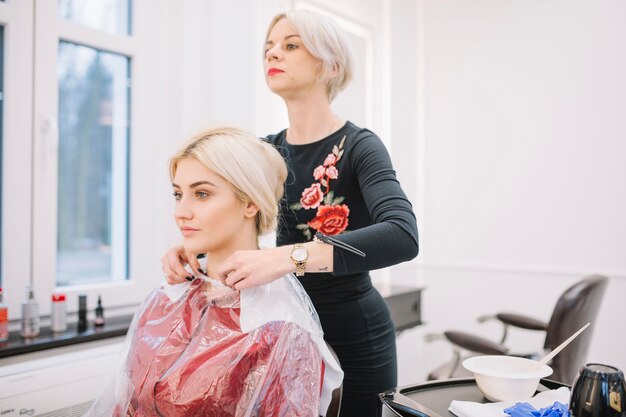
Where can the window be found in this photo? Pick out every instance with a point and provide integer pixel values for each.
(77, 182)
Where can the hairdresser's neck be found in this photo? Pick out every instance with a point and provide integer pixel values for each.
(310, 118)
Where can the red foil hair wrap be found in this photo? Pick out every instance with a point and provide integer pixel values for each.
(217, 352)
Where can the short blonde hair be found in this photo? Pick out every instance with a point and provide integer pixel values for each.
(254, 168)
(325, 41)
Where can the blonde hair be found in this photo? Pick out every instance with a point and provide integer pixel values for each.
(325, 41)
(254, 169)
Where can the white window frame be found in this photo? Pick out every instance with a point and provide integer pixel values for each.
(16, 17)
(29, 240)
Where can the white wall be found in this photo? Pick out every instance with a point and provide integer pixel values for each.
(524, 144)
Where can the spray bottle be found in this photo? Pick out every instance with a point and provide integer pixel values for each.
(30, 314)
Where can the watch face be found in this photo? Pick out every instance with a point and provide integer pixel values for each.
(299, 254)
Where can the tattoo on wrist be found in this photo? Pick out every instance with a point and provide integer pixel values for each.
(322, 269)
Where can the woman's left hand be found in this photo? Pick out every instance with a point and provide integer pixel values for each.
(251, 268)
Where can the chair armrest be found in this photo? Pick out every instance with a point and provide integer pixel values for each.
(523, 322)
(475, 343)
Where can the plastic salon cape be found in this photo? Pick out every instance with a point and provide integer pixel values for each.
(202, 349)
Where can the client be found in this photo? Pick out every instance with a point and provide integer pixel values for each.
(201, 348)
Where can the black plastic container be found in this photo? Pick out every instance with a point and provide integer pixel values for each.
(598, 391)
(82, 313)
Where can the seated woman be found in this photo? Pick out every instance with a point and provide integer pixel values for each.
(204, 349)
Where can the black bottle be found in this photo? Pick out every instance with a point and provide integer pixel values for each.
(82, 313)
(99, 321)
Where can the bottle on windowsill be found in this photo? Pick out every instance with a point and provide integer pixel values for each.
(4, 320)
(82, 313)
(58, 315)
(99, 321)
(30, 314)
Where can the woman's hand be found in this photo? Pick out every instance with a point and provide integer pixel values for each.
(251, 268)
(173, 265)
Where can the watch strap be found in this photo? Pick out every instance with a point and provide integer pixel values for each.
(300, 265)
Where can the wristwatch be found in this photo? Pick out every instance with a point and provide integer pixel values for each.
(299, 255)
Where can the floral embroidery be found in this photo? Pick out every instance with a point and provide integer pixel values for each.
(331, 159)
(319, 172)
(312, 197)
(332, 173)
(331, 220)
(332, 216)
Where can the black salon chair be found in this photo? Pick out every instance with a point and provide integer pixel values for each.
(577, 306)
(335, 401)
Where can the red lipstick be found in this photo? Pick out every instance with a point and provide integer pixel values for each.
(273, 71)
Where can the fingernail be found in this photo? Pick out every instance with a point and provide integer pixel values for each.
(201, 271)
(189, 278)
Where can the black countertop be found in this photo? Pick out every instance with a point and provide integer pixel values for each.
(433, 398)
(404, 304)
(17, 345)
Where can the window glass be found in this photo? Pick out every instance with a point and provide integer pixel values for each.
(92, 237)
(107, 15)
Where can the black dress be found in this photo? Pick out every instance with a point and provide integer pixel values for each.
(344, 186)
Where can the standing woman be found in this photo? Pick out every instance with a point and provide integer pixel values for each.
(341, 183)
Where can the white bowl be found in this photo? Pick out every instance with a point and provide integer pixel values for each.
(506, 378)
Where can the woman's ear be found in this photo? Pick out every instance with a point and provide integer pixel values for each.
(327, 75)
(334, 71)
(250, 210)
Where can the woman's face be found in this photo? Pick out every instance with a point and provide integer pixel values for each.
(289, 67)
(208, 213)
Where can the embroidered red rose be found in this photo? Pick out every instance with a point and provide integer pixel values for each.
(332, 216)
(331, 220)
(319, 172)
(332, 172)
(312, 197)
(330, 160)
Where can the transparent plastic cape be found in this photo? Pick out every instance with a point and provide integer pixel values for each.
(202, 349)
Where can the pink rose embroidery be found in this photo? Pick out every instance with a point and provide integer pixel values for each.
(318, 173)
(312, 197)
(330, 160)
(332, 172)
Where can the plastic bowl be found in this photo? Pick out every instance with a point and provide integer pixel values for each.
(506, 378)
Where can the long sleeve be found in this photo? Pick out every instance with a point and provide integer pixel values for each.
(392, 237)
